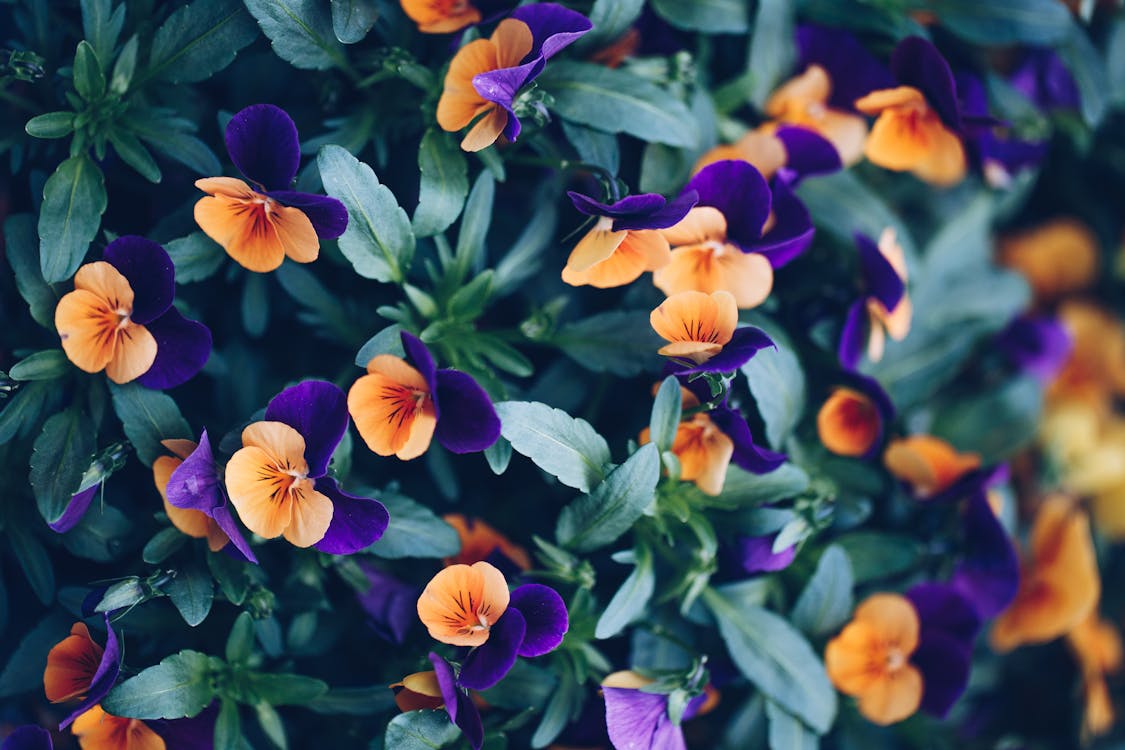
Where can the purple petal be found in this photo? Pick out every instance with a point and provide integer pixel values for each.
(880, 278)
(468, 422)
(792, 231)
(1044, 79)
(747, 455)
(149, 271)
(28, 737)
(853, 70)
(942, 607)
(419, 357)
(944, 662)
(501, 86)
(668, 215)
(744, 344)
(989, 574)
(1037, 345)
(853, 336)
(262, 142)
(740, 193)
(328, 215)
(808, 153)
(389, 603)
(544, 615)
(182, 348)
(194, 484)
(757, 555)
(238, 546)
(357, 522)
(461, 709)
(104, 677)
(916, 62)
(553, 27)
(188, 734)
(75, 510)
(636, 719)
(631, 206)
(487, 664)
(318, 410)
(447, 684)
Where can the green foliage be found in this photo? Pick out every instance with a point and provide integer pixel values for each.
(148, 417)
(74, 198)
(180, 685)
(300, 32)
(59, 459)
(568, 449)
(614, 505)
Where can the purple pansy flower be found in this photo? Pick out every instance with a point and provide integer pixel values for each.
(463, 713)
(1043, 78)
(883, 308)
(853, 70)
(997, 154)
(1038, 345)
(28, 737)
(388, 602)
(639, 719)
(643, 211)
(949, 625)
(988, 574)
(756, 554)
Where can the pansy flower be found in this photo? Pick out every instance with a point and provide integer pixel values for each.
(479, 541)
(623, 243)
(636, 718)
(79, 669)
(98, 730)
(791, 153)
(388, 603)
(120, 318)
(987, 573)
(1057, 257)
(884, 309)
(28, 737)
(262, 223)
(486, 75)
(920, 125)
(929, 465)
(438, 688)
(803, 101)
(190, 484)
(278, 480)
(470, 605)
(441, 16)
(853, 420)
(1059, 580)
(703, 334)
(756, 554)
(1038, 345)
(997, 151)
(1096, 644)
(401, 405)
(1045, 80)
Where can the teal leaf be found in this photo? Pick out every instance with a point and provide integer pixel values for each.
(664, 421)
(50, 125)
(89, 78)
(826, 601)
(787, 732)
(352, 19)
(777, 383)
(60, 456)
(286, 689)
(180, 686)
(198, 40)
(413, 531)
(1000, 22)
(745, 490)
(192, 593)
(27, 659)
(196, 257)
(600, 518)
(45, 365)
(443, 185)
(21, 247)
(421, 730)
(148, 417)
(631, 599)
(611, 19)
(711, 16)
(565, 447)
(621, 342)
(772, 48)
(73, 202)
(300, 32)
(876, 555)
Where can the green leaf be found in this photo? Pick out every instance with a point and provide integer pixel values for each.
(192, 593)
(618, 102)
(876, 555)
(21, 415)
(667, 409)
(470, 251)
(995, 423)
(125, 67)
(352, 19)
(231, 575)
(300, 32)
(89, 78)
(621, 343)
(59, 458)
(100, 535)
(101, 25)
(413, 531)
(443, 185)
(50, 125)
(36, 564)
(1090, 72)
(179, 686)
(285, 689)
(148, 417)
(600, 518)
(594, 146)
(22, 249)
(353, 701)
(563, 708)
(777, 383)
(631, 600)
(163, 545)
(1001, 22)
(122, 594)
(24, 671)
(182, 147)
(774, 656)
(240, 642)
(378, 242)
(611, 19)
(271, 725)
(711, 16)
(420, 730)
(255, 307)
(44, 365)
(826, 602)
(842, 204)
(772, 48)
(228, 727)
(745, 490)
(133, 153)
(386, 341)
(787, 732)
(198, 40)
(196, 257)
(524, 258)
(73, 201)
(565, 447)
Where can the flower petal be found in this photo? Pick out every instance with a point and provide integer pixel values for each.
(134, 354)
(989, 573)
(552, 26)
(149, 271)
(262, 142)
(880, 277)
(388, 602)
(545, 615)
(182, 349)
(468, 421)
(747, 455)
(357, 522)
(28, 737)
(312, 515)
(318, 410)
(757, 555)
(75, 510)
(487, 664)
(916, 62)
(852, 336)
(807, 152)
(944, 662)
(635, 718)
(420, 358)
(740, 193)
(328, 216)
(852, 70)
(791, 232)
(109, 667)
(194, 484)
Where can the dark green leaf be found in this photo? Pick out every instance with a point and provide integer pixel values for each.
(600, 518)
(184, 148)
(352, 19)
(300, 31)
(228, 727)
(594, 146)
(192, 592)
(566, 701)
(199, 40)
(745, 490)
(271, 725)
(787, 732)
(163, 545)
(89, 78)
(100, 536)
(59, 458)
(631, 600)
(36, 564)
(444, 183)
(664, 421)
(51, 125)
(255, 305)
(196, 257)
(286, 689)
(73, 201)
(125, 66)
(826, 602)
(354, 701)
(470, 251)
(772, 48)
(567, 448)
(26, 661)
(421, 730)
(179, 686)
(712, 16)
(44, 365)
(101, 25)
(22, 249)
(413, 531)
(875, 555)
(148, 417)
(621, 342)
(994, 424)
(133, 153)
(611, 19)
(1090, 72)
(998, 22)
(21, 414)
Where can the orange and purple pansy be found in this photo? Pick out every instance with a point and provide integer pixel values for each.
(439, 689)
(486, 75)
(854, 418)
(120, 318)
(79, 669)
(193, 485)
(703, 334)
(194, 523)
(441, 16)
(98, 730)
(470, 605)
(623, 243)
(884, 307)
(261, 224)
(932, 468)
(401, 405)
(638, 718)
(480, 541)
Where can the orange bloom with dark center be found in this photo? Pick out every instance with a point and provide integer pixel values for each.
(255, 229)
(910, 136)
(928, 464)
(479, 541)
(461, 103)
(194, 523)
(393, 408)
(441, 16)
(704, 261)
(94, 325)
(696, 325)
(462, 602)
(803, 101)
(418, 691)
(870, 659)
(71, 665)
(269, 486)
(1059, 580)
(605, 258)
(848, 423)
(97, 730)
(1058, 257)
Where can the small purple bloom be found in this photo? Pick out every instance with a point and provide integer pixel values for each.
(389, 603)
(109, 667)
(637, 719)
(1036, 345)
(534, 624)
(988, 574)
(853, 70)
(757, 554)
(807, 154)
(949, 625)
(644, 211)
(1044, 79)
(28, 737)
(461, 709)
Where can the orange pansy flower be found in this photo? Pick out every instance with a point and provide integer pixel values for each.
(928, 464)
(1058, 257)
(194, 523)
(418, 691)
(393, 408)
(441, 16)
(462, 602)
(479, 541)
(883, 322)
(97, 730)
(803, 101)
(910, 136)
(605, 258)
(71, 665)
(696, 324)
(849, 423)
(704, 450)
(870, 659)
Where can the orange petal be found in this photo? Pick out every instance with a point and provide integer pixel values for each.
(764, 151)
(440, 18)
(479, 540)
(848, 423)
(312, 514)
(898, 141)
(462, 602)
(847, 132)
(701, 224)
(179, 447)
(642, 250)
(597, 245)
(626, 679)
(513, 40)
(696, 317)
(393, 409)
(893, 618)
(722, 152)
(696, 351)
(704, 452)
(460, 102)
(295, 233)
(848, 658)
(226, 186)
(418, 691)
(284, 444)
(71, 665)
(486, 130)
(945, 163)
(929, 464)
(87, 329)
(240, 226)
(893, 697)
(97, 730)
(133, 355)
(707, 268)
(900, 97)
(795, 95)
(259, 492)
(193, 523)
(107, 283)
